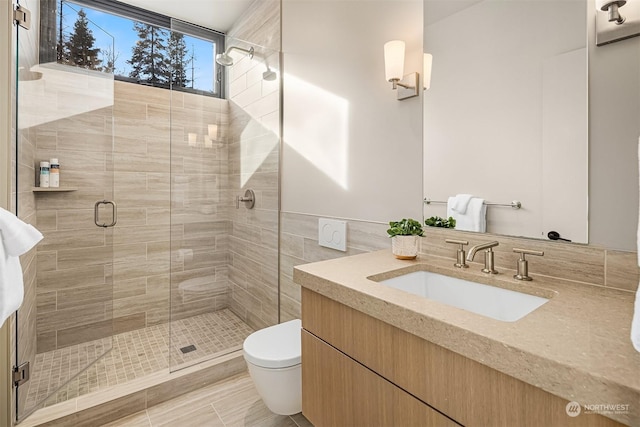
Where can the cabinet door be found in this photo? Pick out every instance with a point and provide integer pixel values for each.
(338, 391)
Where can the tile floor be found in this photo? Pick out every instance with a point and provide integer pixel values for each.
(233, 402)
(133, 354)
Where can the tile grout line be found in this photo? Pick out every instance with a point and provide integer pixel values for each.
(218, 414)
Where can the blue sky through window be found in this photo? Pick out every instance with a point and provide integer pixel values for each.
(109, 29)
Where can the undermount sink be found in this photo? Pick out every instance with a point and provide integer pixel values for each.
(490, 301)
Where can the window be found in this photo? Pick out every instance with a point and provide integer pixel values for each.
(134, 44)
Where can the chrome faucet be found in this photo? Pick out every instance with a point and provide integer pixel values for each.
(523, 265)
(460, 263)
(489, 266)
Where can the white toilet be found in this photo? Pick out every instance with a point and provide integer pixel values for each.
(273, 355)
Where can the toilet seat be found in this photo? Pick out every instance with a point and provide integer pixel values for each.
(277, 346)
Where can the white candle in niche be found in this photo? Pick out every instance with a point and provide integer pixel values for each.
(207, 142)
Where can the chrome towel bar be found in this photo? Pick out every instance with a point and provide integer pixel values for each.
(514, 204)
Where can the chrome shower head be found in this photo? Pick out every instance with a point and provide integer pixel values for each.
(269, 75)
(226, 60)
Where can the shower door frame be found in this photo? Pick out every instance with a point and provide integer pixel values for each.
(6, 28)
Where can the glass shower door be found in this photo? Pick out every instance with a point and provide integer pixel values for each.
(64, 111)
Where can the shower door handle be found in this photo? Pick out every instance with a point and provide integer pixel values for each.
(114, 212)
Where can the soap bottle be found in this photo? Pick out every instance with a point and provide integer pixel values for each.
(44, 174)
(54, 173)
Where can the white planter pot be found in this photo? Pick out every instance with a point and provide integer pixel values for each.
(405, 247)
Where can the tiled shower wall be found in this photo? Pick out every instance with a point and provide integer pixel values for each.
(254, 109)
(200, 223)
(75, 275)
(75, 257)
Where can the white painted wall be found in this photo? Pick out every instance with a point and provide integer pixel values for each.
(351, 150)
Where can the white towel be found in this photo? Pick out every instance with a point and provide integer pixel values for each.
(461, 202)
(635, 321)
(475, 218)
(16, 238)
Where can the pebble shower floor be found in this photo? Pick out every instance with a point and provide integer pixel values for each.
(134, 354)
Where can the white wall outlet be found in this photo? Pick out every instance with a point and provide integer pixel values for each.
(332, 234)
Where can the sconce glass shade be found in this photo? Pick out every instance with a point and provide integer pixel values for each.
(213, 131)
(193, 139)
(426, 72)
(394, 60)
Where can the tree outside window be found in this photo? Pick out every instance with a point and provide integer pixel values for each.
(142, 53)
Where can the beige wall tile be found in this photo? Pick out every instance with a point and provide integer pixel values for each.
(73, 239)
(123, 144)
(136, 110)
(65, 279)
(129, 288)
(46, 302)
(47, 261)
(46, 341)
(565, 260)
(67, 337)
(81, 296)
(130, 217)
(78, 316)
(78, 258)
(46, 220)
(78, 141)
(76, 219)
(622, 270)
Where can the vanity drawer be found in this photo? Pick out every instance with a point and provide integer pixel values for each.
(467, 391)
(338, 391)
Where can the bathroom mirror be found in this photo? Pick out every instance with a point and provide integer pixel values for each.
(506, 113)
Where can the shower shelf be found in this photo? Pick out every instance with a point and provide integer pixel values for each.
(53, 190)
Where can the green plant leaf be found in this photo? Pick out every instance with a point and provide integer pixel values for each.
(405, 227)
(436, 221)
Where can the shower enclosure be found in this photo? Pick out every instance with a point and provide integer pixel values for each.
(149, 263)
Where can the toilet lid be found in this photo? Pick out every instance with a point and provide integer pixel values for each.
(277, 346)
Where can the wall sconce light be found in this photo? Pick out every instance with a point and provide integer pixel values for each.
(614, 24)
(213, 132)
(406, 85)
(193, 139)
(426, 72)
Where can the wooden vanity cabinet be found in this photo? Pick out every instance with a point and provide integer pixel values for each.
(360, 371)
(339, 391)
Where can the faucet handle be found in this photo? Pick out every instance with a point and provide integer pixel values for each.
(461, 258)
(522, 272)
(457, 242)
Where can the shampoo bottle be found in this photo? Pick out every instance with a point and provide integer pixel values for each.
(54, 173)
(44, 174)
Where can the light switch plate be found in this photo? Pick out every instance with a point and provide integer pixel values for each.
(332, 234)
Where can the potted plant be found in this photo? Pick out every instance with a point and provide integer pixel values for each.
(405, 237)
(436, 221)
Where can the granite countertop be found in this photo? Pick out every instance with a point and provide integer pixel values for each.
(576, 346)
